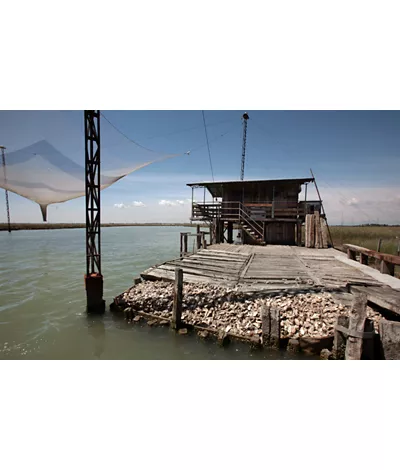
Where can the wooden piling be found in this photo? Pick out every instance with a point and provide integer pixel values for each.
(298, 233)
(230, 232)
(378, 248)
(387, 268)
(339, 339)
(203, 240)
(363, 259)
(368, 347)
(185, 243)
(176, 321)
(351, 254)
(181, 246)
(271, 330)
(317, 229)
(356, 327)
(324, 233)
(389, 332)
(310, 231)
(198, 237)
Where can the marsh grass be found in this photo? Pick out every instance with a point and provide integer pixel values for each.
(368, 237)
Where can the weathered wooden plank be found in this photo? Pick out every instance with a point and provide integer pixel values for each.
(324, 233)
(202, 273)
(176, 320)
(317, 228)
(205, 268)
(356, 323)
(270, 327)
(387, 268)
(389, 332)
(339, 339)
(382, 296)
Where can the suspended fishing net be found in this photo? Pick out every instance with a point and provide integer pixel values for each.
(42, 173)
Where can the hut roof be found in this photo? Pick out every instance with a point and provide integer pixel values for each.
(215, 187)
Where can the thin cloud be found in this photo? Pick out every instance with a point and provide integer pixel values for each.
(138, 204)
(121, 206)
(165, 202)
(352, 202)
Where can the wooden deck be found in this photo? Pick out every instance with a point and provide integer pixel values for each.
(280, 269)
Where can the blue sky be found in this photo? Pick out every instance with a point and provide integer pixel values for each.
(354, 155)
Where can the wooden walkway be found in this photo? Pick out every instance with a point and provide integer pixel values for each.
(275, 268)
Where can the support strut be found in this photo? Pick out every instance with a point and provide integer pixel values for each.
(3, 157)
(245, 117)
(93, 277)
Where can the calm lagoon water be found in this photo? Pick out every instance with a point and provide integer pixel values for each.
(42, 299)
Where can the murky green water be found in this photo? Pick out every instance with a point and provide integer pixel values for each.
(42, 299)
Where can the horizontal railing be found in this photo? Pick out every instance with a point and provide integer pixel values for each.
(388, 262)
(230, 210)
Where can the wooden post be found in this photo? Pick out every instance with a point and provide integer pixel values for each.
(356, 324)
(214, 232)
(363, 259)
(298, 234)
(181, 246)
(273, 203)
(368, 347)
(307, 231)
(339, 339)
(198, 237)
(324, 233)
(230, 232)
(271, 328)
(378, 248)
(220, 231)
(398, 248)
(317, 228)
(351, 254)
(389, 332)
(185, 243)
(387, 268)
(203, 240)
(177, 307)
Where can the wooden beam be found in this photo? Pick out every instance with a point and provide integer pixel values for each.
(387, 268)
(339, 339)
(351, 254)
(389, 332)
(356, 324)
(177, 306)
(317, 230)
(270, 327)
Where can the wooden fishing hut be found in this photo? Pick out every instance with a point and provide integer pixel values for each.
(265, 211)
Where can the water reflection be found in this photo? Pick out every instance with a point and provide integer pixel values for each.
(97, 331)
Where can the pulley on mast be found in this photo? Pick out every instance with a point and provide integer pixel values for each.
(3, 157)
(245, 117)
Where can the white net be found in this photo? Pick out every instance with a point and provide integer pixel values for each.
(45, 175)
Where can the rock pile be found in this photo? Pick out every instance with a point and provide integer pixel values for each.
(237, 312)
(312, 315)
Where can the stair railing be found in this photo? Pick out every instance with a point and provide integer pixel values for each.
(245, 216)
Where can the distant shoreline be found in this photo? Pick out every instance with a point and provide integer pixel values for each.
(45, 226)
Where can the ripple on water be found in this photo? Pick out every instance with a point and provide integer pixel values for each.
(42, 298)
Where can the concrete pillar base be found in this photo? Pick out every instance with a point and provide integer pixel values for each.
(94, 293)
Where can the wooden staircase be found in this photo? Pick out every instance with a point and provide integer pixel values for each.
(256, 237)
(253, 228)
